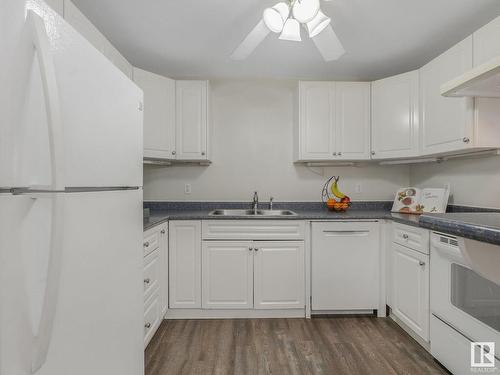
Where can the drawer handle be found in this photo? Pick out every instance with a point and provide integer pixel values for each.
(421, 263)
(146, 244)
(405, 236)
(147, 325)
(147, 281)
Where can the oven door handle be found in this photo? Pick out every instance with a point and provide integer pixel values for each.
(452, 253)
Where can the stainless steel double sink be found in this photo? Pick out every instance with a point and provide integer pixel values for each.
(255, 213)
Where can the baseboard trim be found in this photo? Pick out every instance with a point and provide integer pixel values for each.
(233, 314)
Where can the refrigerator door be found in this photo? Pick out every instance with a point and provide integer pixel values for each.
(31, 233)
(77, 310)
(69, 110)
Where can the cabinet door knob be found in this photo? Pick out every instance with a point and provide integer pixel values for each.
(147, 281)
(334, 154)
(203, 153)
(250, 248)
(256, 249)
(146, 244)
(173, 152)
(466, 140)
(373, 152)
(162, 231)
(147, 325)
(340, 154)
(421, 263)
(405, 236)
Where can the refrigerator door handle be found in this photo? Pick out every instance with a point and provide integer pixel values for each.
(43, 328)
(51, 95)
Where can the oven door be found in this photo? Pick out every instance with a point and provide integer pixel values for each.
(460, 297)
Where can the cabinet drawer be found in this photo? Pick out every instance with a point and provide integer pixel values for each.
(253, 230)
(151, 317)
(151, 273)
(412, 237)
(151, 241)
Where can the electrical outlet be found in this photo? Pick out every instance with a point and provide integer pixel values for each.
(187, 189)
(357, 188)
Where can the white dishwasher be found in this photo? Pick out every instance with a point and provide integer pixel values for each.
(345, 266)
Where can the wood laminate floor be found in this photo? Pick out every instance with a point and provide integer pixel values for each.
(336, 346)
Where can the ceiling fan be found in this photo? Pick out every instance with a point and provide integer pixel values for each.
(286, 19)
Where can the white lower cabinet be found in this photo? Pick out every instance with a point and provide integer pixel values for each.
(345, 266)
(253, 274)
(185, 264)
(279, 275)
(227, 275)
(155, 249)
(410, 288)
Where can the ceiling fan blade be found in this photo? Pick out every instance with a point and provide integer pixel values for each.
(329, 44)
(251, 41)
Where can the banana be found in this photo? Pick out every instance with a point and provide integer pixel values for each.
(336, 191)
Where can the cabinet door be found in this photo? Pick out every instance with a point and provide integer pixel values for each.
(395, 125)
(486, 45)
(279, 280)
(227, 269)
(164, 269)
(345, 266)
(191, 120)
(352, 120)
(159, 114)
(410, 288)
(447, 123)
(316, 120)
(184, 264)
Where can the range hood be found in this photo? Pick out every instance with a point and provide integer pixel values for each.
(482, 81)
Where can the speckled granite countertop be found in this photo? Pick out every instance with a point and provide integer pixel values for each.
(480, 226)
(159, 213)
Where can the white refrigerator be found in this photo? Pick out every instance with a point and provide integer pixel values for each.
(70, 202)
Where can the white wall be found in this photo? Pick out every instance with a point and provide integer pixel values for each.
(252, 150)
(473, 182)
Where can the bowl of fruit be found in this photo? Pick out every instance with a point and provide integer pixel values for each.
(334, 199)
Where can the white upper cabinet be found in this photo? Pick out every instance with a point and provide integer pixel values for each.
(352, 120)
(447, 123)
(159, 114)
(395, 125)
(333, 121)
(192, 120)
(455, 124)
(486, 42)
(78, 20)
(316, 127)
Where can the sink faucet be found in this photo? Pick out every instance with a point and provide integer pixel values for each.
(255, 203)
(271, 203)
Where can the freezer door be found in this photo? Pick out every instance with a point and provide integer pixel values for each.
(68, 109)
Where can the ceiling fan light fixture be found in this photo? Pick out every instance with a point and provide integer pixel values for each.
(305, 10)
(318, 24)
(275, 17)
(291, 31)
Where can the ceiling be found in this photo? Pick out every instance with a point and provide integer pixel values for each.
(194, 38)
